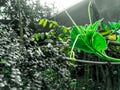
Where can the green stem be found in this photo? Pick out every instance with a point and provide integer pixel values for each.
(82, 32)
(72, 53)
(89, 15)
(105, 57)
(112, 59)
(70, 18)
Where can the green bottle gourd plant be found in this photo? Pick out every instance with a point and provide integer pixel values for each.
(87, 39)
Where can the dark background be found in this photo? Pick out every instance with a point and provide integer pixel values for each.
(108, 9)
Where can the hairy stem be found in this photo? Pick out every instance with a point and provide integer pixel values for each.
(89, 15)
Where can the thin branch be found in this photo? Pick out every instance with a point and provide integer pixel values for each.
(114, 43)
(90, 62)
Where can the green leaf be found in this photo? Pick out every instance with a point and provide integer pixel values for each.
(118, 38)
(45, 23)
(41, 21)
(105, 27)
(88, 39)
(64, 30)
(96, 25)
(118, 24)
(89, 35)
(54, 22)
(51, 25)
(113, 25)
(81, 42)
(99, 42)
(36, 37)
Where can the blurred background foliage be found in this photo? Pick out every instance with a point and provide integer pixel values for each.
(31, 57)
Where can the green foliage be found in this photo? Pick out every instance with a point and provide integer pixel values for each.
(51, 24)
(65, 31)
(111, 31)
(22, 66)
(105, 27)
(114, 25)
(85, 38)
(89, 40)
(80, 43)
(40, 36)
(39, 63)
(118, 38)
